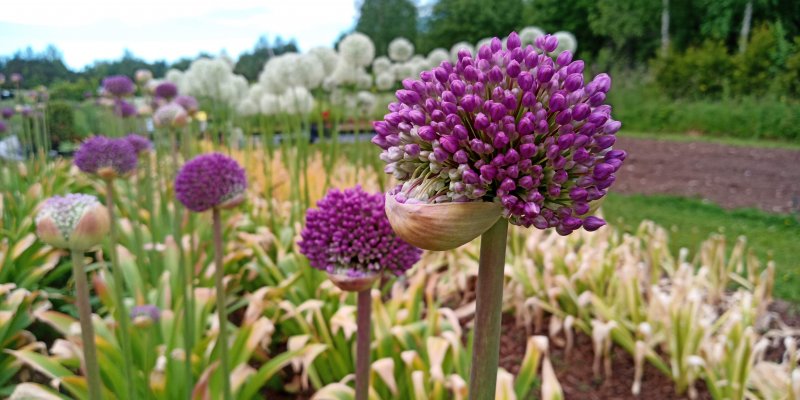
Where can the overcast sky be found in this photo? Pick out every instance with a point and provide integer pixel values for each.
(89, 30)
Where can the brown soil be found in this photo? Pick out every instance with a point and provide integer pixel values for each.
(731, 176)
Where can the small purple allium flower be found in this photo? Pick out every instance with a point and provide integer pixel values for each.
(139, 143)
(166, 90)
(519, 127)
(26, 111)
(16, 77)
(107, 157)
(124, 109)
(188, 103)
(7, 112)
(119, 85)
(210, 180)
(348, 233)
(146, 311)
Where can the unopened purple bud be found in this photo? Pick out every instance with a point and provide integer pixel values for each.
(593, 223)
(544, 73)
(525, 80)
(408, 97)
(575, 67)
(458, 87)
(585, 181)
(500, 140)
(495, 74)
(581, 207)
(573, 82)
(488, 172)
(564, 58)
(604, 141)
(528, 99)
(416, 117)
(532, 59)
(557, 102)
(606, 183)
(476, 145)
(581, 111)
(612, 127)
(597, 119)
(470, 177)
(527, 150)
(565, 141)
(469, 103)
(560, 176)
(571, 223)
(540, 222)
(615, 162)
(484, 53)
(440, 155)
(511, 157)
(426, 133)
(481, 121)
(616, 154)
(597, 99)
(508, 185)
(553, 151)
(581, 141)
(526, 182)
(449, 143)
(513, 69)
(578, 194)
(460, 157)
(412, 149)
(550, 43)
(513, 41)
(554, 190)
(603, 82)
(602, 171)
(580, 155)
(564, 117)
(541, 127)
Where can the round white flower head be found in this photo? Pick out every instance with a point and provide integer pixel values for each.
(345, 74)
(365, 102)
(402, 70)
(381, 65)
(566, 41)
(255, 92)
(143, 75)
(401, 49)
(529, 34)
(437, 56)
(296, 101)
(364, 79)
(384, 81)
(357, 49)
(269, 104)
(247, 107)
(327, 57)
(309, 72)
(458, 46)
(213, 79)
(278, 73)
(175, 76)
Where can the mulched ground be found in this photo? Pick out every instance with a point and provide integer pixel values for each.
(731, 176)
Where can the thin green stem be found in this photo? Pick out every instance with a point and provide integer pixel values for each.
(87, 330)
(222, 312)
(489, 309)
(122, 312)
(363, 344)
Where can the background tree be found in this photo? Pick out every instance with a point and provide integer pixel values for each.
(251, 63)
(453, 21)
(384, 20)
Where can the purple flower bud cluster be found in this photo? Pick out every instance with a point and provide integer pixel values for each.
(118, 85)
(188, 103)
(106, 156)
(124, 109)
(139, 143)
(166, 90)
(208, 181)
(7, 112)
(517, 126)
(350, 234)
(3, 127)
(146, 310)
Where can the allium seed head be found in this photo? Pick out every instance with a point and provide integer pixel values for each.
(210, 180)
(511, 126)
(107, 157)
(348, 234)
(74, 221)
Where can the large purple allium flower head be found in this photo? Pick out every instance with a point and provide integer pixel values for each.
(518, 126)
(210, 180)
(166, 90)
(7, 112)
(348, 234)
(118, 85)
(139, 143)
(188, 103)
(107, 157)
(124, 109)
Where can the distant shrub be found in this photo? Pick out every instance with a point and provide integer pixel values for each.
(755, 69)
(61, 121)
(699, 72)
(790, 78)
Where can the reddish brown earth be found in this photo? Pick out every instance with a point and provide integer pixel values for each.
(731, 176)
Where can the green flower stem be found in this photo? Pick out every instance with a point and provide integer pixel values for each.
(363, 344)
(222, 312)
(489, 309)
(122, 312)
(87, 330)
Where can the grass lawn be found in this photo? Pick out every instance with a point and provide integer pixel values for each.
(691, 221)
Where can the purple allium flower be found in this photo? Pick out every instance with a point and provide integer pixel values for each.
(16, 77)
(517, 126)
(3, 127)
(147, 311)
(188, 103)
(124, 109)
(107, 157)
(118, 85)
(349, 233)
(166, 90)
(139, 143)
(7, 112)
(171, 114)
(26, 111)
(210, 180)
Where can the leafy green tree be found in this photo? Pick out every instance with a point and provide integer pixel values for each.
(384, 20)
(623, 22)
(251, 63)
(453, 21)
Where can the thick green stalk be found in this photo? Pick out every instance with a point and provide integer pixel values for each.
(489, 309)
(87, 330)
(362, 344)
(222, 312)
(122, 311)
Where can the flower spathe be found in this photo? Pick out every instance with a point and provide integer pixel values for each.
(348, 234)
(107, 157)
(73, 221)
(519, 127)
(210, 180)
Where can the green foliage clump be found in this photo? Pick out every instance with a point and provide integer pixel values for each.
(61, 121)
(71, 90)
(699, 72)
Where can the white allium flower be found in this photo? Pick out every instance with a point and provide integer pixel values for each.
(247, 107)
(384, 80)
(529, 34)
(309, 72)
(327, 57)
(458, 46)
(280, 72)
(401, 49)
(437, 56)
(269, 104)
(296, 100)
(566, 41)
(255, 92)
(213, 79)
(365, 102)
(364, 79)
(357, 49)
(381, 65)
(175, 76)
(402, 70)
